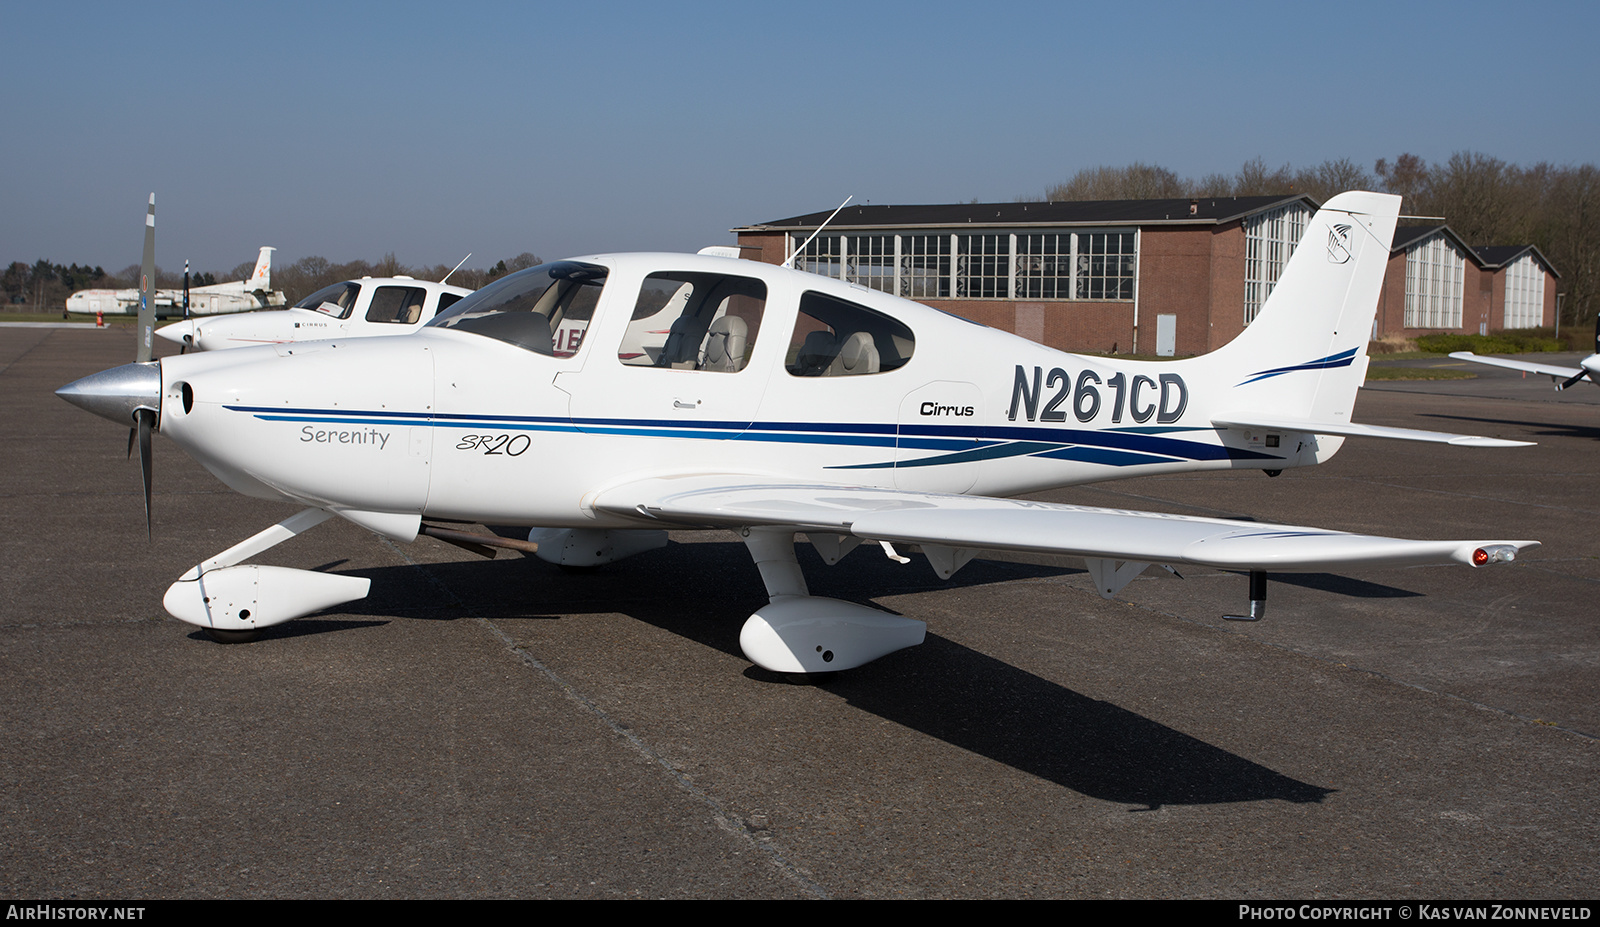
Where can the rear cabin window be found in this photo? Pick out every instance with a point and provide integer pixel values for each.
(397, 305)
(694, 321)
(837, 338)
(446, 300)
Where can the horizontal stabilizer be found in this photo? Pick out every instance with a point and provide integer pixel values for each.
(1353, 430)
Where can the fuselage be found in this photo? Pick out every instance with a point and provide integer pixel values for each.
(217, 299)
(453, 422)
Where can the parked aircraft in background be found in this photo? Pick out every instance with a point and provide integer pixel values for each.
(780, 403)
(354, 308)
(1587, 369)
(399, 306)
(216, 299)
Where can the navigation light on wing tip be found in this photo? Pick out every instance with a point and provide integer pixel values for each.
(1499, 553)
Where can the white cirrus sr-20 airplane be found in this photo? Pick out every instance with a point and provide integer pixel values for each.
(1587, 369)
(351, 309)
(781, 403)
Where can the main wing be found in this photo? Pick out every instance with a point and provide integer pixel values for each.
(950, 527)
(1549, 370)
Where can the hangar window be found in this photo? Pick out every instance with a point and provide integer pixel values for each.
(544, 309)
(694, 321)
(837, 338)
(998, 265)
(924, 266)
(982, 270)
(1269, 241)
(871, 261)
(1044, 266)
(1434, 272)
(1105, 265)
(1524, 297)
(822, 257)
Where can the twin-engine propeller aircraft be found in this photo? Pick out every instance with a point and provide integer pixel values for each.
(1587, 369)
(351, 309)
(216, 299)
(780, 403)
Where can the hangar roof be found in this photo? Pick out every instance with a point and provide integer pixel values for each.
(1488, 257)
(1184, 211)
(1496, 256)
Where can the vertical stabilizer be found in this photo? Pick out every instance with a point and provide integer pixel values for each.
(1305, 354)
(261, 277)
(147, 287)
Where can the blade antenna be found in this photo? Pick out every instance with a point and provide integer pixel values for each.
(455, 268)
(789, 262)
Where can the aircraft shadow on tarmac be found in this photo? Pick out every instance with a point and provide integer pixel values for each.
(1340, 585)
(1546, 429)
(704, 591)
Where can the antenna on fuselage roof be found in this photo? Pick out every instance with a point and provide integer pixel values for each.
(789, 261)
(455, 268)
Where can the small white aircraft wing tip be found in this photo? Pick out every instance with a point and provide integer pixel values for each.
(1483, 553)
(1480, 441)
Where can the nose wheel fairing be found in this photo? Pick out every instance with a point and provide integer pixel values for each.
(221, 595)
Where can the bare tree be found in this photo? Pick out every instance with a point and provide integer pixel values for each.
(1477, 196)
(1256, 179)
(1332, 177)
(1407, 177)
(523, 261)
(1137, 181)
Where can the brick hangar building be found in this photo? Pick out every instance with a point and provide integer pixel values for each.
(1178, 276)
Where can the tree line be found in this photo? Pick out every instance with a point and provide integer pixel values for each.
(1487, 201)
(44, 285)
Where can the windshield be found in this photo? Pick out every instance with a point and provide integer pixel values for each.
(334, 300)
(544, 309)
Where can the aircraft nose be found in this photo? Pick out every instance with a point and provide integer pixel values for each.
(184, 333)
(116, 393)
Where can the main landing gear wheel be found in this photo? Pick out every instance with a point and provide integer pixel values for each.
(233, 637)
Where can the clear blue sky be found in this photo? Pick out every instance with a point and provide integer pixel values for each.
(353, 130)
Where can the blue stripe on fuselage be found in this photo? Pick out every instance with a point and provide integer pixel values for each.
(964, 443)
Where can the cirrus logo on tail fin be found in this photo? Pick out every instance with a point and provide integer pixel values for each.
(1338, 243)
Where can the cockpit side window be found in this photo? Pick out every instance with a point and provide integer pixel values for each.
(398, 305)
(335, 300)
(544, 309)
(837, 338)
(694, 321)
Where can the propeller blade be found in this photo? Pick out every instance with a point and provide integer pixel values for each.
(1572, 381)
(1597, 334)
(133, 432)
(147, 422)
(147, 287)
